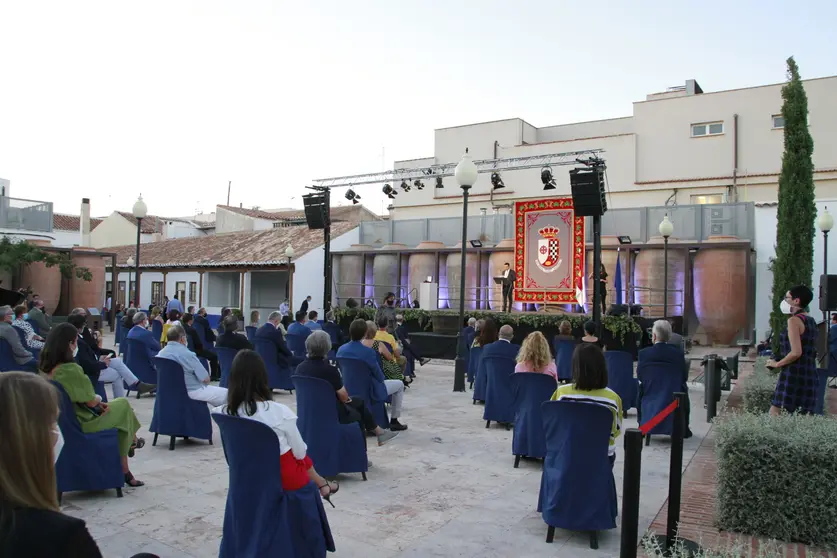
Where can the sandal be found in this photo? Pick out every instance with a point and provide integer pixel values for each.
(331, 491)
(132, 482)
(138, 444)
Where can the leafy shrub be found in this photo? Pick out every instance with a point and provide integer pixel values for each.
(653, 549)
(758, 388)
(776, 477)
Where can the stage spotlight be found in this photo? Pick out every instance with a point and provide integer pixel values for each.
(439, 182)
(418, 184)
(496, 181)
(405, 186)
(389, 191)
(352, 196)
(547, 179)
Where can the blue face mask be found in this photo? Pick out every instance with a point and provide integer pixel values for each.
(26, 316)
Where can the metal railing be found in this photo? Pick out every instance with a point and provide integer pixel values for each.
(27, 215)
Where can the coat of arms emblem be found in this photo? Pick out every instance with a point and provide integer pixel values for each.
(549, 247)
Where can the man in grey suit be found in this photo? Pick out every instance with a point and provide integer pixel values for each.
(23, 358)
(40, 317)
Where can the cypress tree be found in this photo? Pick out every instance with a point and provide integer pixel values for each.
(794, 261)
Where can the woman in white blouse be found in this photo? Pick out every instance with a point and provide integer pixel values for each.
(249, 396)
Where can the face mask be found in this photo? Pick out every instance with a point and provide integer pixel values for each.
(59, 444)
(26, 316)
(785, 307)
(75, 351)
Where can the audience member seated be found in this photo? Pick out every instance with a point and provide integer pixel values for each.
(768, 340)
(486, 333)
(503, 347)
(298, 327)
(23, 358)
(92, 339)
(157, 314)
(33, 524)
(93, 415)
(141, 334)
(383, 334)
(196, 376)
(535, 356)
(270, 331)
(255, 317)
(34, 342)
(224, 313)
(250, 397)
(186, 321)
(589, 385)
(202, 323)
(360, 348)
(231, 339)
(565, 332)
(349, 409)
(110, 370)
(404, 338)
(173, 319)
(590, 334)
(391, 364)
(128, 319)
(312, 321)
(662, 352)
(38, 315)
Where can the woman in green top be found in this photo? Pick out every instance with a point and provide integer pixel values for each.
(391, 368)
(57, 362)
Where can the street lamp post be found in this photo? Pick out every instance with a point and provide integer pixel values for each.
(130, 263)
(139, 211)
(825, 222)
(666, 229)
(289, 254)
(466, 176)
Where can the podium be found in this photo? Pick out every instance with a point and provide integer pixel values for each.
(429, 296)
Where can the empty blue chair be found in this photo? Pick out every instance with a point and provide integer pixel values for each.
(277, 377)
(658, 384)
(620, 378)
(251, 332)
(564, 358)
(157, 329)
(476, 373)
(260, 518)
(358, 379)
(7, 357)
(174, 413)
(577, 491)
(225, 359)
(530, 391)
(296, 343)
(34, 325)
(499, 399)
(136, 358)
(333, 447)
(87, 461)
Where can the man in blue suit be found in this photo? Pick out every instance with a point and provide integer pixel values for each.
(141, 333)
(270, 332)
(503, 347)
(298, 327)
(664, 353)
(381, 388)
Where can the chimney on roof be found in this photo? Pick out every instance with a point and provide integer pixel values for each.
(84, 222)
(692, 87)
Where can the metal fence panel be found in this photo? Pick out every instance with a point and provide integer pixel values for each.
(375, 233)
(409, 231)
(27, 215)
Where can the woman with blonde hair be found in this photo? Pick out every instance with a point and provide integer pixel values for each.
(254, 318)
(534, 356)
(31, 523)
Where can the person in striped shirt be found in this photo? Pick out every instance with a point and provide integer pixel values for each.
(589, 385)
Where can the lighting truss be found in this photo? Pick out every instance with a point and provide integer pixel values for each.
(396, 176)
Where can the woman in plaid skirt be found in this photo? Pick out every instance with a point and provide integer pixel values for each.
(796, 389)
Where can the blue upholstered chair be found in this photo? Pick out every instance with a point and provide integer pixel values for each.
(207, 346)
(34, 325)
(530, 391)
(476, 373)
(225, 359)
(620, 378)
(658, 384)
(499, 399)
(136, 358)
(261, 519)
(296, 343)
(277, 377)
(335, 334)
(87, 461)
(577, 491)
(157, 329)
(333, 447)
(358, 379)
(564, 358)
(174, 413)
(251, 332)
(7, 357)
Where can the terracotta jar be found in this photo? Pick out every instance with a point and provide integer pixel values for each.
(721, 290)
(422, 266)
(609, 261)
(454, 267)
(44, 281)
(88, 294)
(386, 274)
(350, 274)
(649, 272)
(496, 260)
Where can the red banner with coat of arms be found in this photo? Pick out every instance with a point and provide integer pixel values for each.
(549, 251)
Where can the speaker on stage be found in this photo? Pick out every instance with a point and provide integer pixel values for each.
(316, 210)
(588, 188)
(828, 293)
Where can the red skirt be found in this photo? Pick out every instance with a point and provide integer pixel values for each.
(294, 471)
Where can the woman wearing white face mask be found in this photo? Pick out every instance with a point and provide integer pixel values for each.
(796, 389)
(31, 523)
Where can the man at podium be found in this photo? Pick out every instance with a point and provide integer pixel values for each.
(509, 278)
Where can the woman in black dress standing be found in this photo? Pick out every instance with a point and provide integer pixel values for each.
(796, 389)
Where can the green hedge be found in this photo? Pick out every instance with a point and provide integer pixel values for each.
(758, 390)
(777, 477)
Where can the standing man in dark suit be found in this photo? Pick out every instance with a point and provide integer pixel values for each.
(270, 332)
(231, 339)
(503, 347)
(304, 306)
(509, 277)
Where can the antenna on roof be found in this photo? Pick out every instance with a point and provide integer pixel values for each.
(229, 186)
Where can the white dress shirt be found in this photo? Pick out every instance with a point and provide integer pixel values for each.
(281, 419)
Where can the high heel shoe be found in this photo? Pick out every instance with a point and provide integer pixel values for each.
(331, 491)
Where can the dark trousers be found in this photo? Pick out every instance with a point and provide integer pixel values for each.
(214, 369)
(356, 411)
(603, 294)
(508, 295)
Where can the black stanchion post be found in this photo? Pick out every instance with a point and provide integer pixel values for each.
(710, 380)
(630, 493)
(675, 470)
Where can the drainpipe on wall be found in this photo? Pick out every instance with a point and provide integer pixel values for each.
(734, 189)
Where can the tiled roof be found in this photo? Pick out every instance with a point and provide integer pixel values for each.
(63, 222)
(241, 249)
(338, 213)
(151, 223)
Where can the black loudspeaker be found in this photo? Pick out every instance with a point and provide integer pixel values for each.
(317, 213)
(588, 190)
(828, 293)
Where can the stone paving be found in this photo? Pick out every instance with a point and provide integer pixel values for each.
(446, 487)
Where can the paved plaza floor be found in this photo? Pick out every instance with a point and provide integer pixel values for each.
(445, 487)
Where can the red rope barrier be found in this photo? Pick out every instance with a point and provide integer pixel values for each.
(646, 428)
